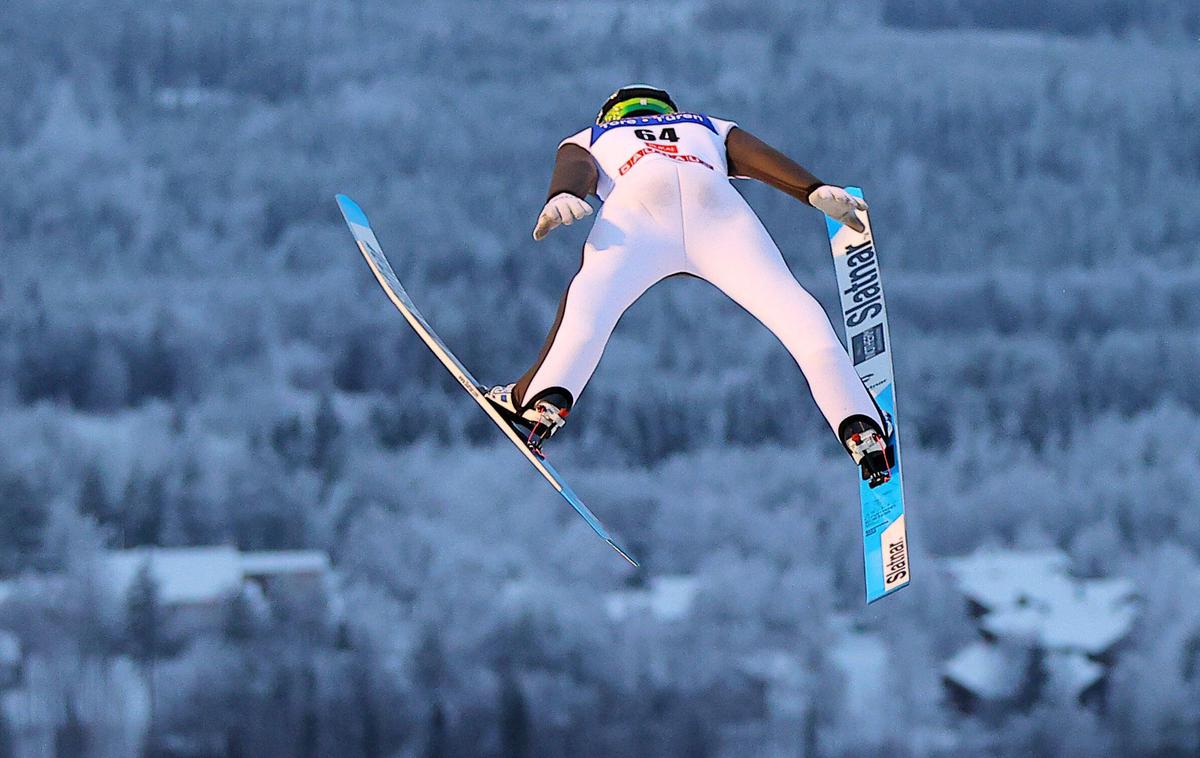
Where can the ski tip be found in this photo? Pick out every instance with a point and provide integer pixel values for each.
(351, 211)
(624, 554)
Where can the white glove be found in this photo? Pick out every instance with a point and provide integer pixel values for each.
(563, 208)
(838, 204)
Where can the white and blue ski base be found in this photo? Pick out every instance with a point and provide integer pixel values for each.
(864, 316)
(368, 245)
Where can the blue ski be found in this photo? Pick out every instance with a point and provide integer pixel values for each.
(368, 245)
(885, 541)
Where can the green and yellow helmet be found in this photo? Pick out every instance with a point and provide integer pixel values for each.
(635, 100)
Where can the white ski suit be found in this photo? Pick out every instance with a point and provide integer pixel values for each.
(669, 208)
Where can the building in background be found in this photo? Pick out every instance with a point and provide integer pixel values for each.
(666, 598)
(1044, 635)
(99, 699)
(195, 584)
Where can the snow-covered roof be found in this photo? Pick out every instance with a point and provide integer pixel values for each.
(1000, 578)
(668, 598)
(277, 562)
(778, 666)
(184, 575)
(1030, 595)
(187, 575)
(1069, 674)
(992, 672)
(1069, 621)
(985, 670)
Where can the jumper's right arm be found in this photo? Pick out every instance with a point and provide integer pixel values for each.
(575, 177)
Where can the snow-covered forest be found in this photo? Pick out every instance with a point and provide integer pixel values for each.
(193, 353)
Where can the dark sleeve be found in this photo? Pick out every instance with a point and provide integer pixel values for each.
(574, 172)
(750, 157)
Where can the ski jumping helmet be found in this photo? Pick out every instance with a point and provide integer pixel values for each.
(635, 100)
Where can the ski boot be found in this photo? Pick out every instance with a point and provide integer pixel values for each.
(869, 448)
(541, 418)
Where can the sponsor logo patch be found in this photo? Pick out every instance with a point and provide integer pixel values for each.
(668, 119)
(863, 299)
(656, 150)
(895, 555)
(866, 345)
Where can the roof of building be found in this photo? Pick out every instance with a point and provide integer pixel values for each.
(1074, 618)
(1069, 674)
(190, 575)
(986, 670)
(991, 672)
(184, 575)
(277, 562)
(667, 598)
(1030, 595)
(1000, 578)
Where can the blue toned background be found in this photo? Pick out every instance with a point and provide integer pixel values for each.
(193, 355)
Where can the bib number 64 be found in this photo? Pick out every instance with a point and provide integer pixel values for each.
(666, 134)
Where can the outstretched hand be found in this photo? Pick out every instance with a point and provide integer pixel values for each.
(838, 204)
(563, 208)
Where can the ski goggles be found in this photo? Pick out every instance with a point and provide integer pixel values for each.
(625, 107)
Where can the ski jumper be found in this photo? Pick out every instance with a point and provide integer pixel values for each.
(669, 208)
